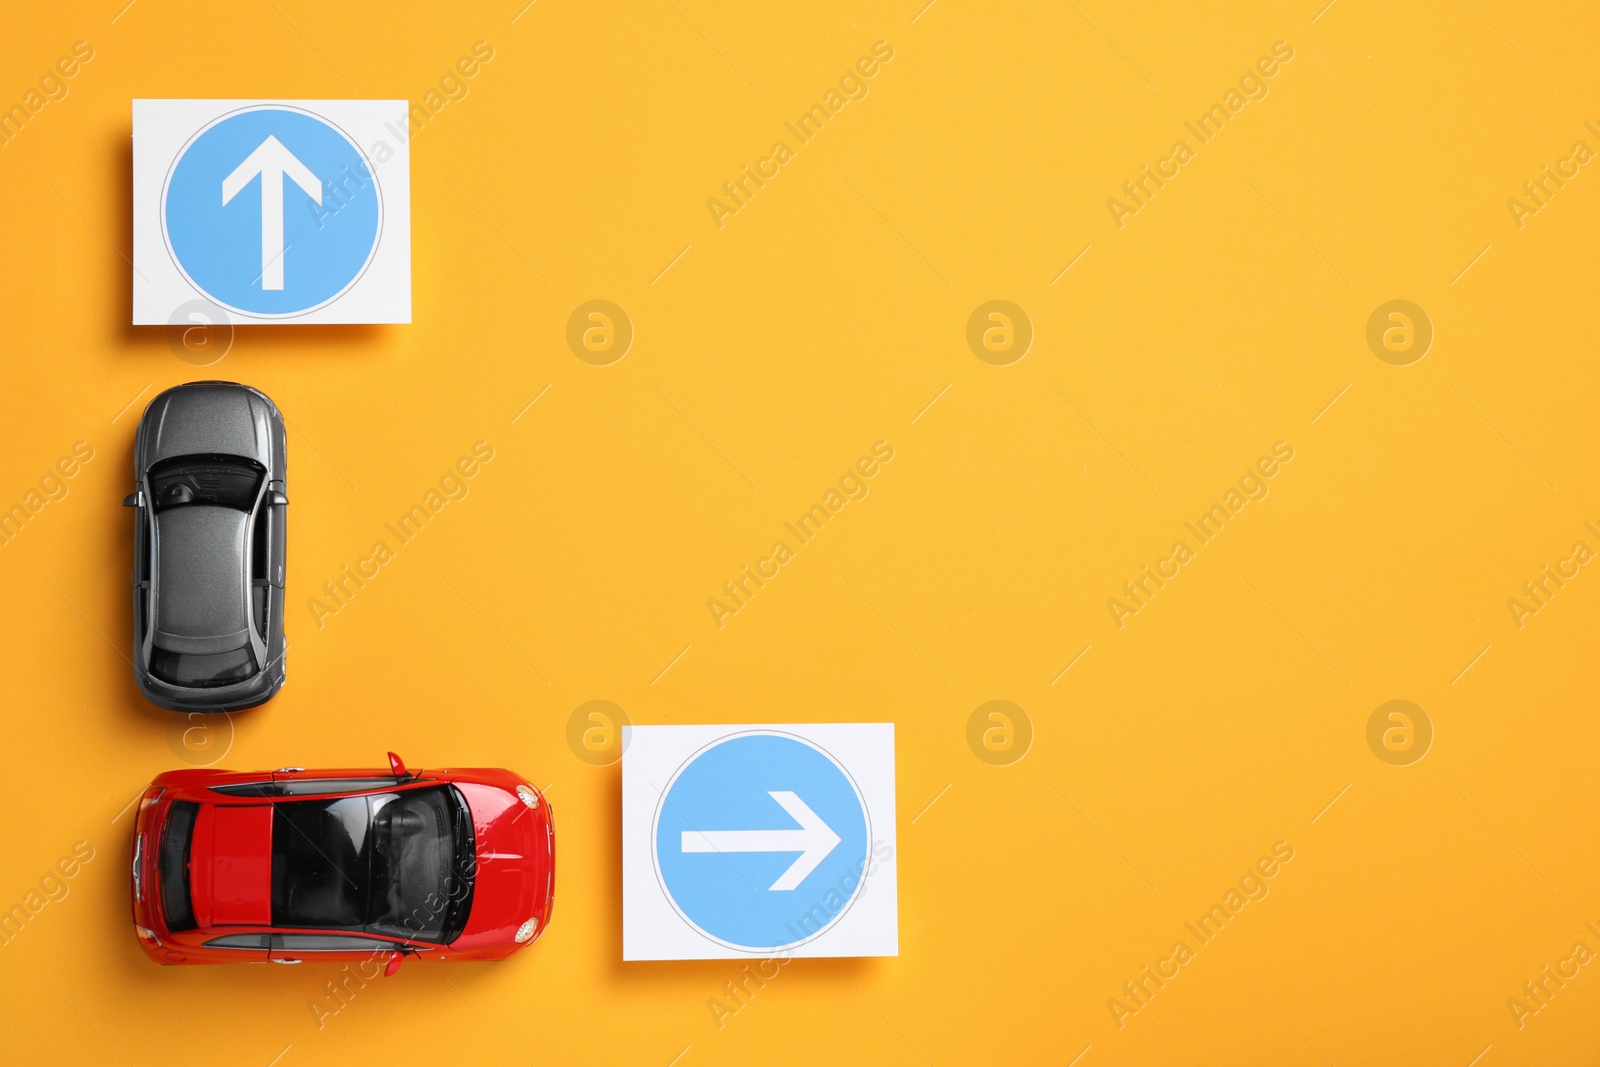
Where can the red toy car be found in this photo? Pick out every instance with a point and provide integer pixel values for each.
(292, 865)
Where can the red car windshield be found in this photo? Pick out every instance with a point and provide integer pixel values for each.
(399, 864)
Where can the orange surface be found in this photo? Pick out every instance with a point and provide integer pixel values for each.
(1198, 734)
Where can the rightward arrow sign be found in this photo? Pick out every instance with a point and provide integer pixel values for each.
(813, 840)
(273, 163)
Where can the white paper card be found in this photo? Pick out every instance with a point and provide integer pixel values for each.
(271, 211)
(759, 841)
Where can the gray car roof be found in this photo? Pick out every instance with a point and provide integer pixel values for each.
(203, 605)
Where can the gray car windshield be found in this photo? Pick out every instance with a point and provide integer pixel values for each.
(220, 481)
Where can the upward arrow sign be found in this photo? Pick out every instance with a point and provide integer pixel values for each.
(273, 163)
(813, 840)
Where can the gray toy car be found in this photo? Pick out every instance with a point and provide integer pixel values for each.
(209, 463)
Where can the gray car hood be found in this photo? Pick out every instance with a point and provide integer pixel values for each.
(202, 419)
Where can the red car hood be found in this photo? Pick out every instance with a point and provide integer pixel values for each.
(516, 866)
(231, 865)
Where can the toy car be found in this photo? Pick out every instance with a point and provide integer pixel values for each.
(294, 865)
(208, 466)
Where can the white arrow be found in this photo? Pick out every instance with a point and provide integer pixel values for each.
(274, 163)
(814, 840)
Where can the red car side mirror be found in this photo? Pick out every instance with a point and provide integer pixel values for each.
(397, 765)
(395, 960)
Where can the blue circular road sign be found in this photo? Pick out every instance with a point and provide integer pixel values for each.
(761, 841)
(272, 211)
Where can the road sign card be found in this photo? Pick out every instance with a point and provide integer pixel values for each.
(758, 841)
(271, 211)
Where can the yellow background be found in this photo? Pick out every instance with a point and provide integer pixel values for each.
(774, 351)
